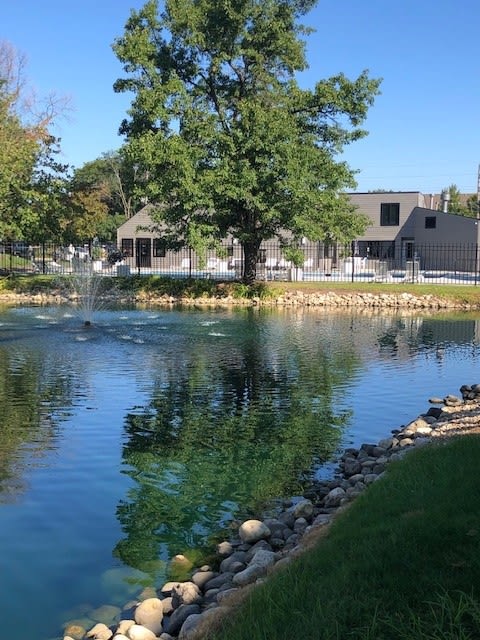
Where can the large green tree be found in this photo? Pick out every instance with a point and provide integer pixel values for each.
(225, 139)
(31, 179)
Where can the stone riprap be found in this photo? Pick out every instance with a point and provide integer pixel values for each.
(178, 609)
(292, 298)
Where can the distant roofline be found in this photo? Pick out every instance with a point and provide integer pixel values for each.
(369, 193)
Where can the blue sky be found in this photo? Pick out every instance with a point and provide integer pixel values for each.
(424, 129)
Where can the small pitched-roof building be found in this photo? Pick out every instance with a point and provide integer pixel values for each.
(405, 227)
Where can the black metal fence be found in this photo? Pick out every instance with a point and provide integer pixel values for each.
(312, 261)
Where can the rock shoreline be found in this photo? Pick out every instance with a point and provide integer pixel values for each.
(293, 298)
(181, 609)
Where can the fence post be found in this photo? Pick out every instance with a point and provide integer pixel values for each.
(476, 264)
(353, 258)
(43, 258)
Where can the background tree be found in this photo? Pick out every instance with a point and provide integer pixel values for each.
(27, 149)
(115, 178)
(88, 216)
(225, 139)
(465, 205)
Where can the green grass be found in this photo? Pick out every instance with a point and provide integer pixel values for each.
(402, 562)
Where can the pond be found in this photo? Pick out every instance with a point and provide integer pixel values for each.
(143, 435)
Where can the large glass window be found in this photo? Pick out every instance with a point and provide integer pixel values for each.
(390, 214)
(127, 247)
(159, 248)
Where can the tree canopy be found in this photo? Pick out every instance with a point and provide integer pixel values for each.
(225, 139)
(465, 205)
(30, 175)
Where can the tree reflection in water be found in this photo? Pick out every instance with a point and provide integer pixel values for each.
(31, 403)
(220, 438)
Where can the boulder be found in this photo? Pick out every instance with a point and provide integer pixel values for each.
(303, 509)
(75, 631)
(252, 531)
(179, 616)
(139, 632)
(185, 593)
(149, 614)
(334, 497)
(258, 567)
(100, 632)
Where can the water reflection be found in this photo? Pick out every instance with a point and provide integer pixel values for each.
(32, 402)
(144, 434)
(228, 426)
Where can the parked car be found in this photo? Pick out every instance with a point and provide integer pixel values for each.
(17, 248)
(22, 249)
(82, 253)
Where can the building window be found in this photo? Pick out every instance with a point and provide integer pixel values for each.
(431, 222)
(379, 250)
(159, 248)
(127, 247)
(390, 214)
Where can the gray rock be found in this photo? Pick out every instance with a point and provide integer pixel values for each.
(334, 497)
(276, 527)
(351, 466)
(303, 509)
(210, 595)
(224, 595)
(179, 616)
(452, 401)
(277, 543)
(227, 564)
(218, 581)
(258, 546)
(386, 443)
(300, 526)
(200, 578)
(257, 568)
(287, 518)
(189, 626)
(322, 519)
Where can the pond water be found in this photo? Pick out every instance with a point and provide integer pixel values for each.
(140, 437)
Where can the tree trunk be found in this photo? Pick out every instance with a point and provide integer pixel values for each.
(250, 254)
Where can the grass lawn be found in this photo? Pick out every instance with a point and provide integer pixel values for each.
(402, 562)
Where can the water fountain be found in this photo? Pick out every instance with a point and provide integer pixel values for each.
(87, 288)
